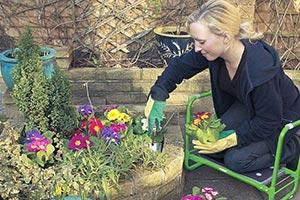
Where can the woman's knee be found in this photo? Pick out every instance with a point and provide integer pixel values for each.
(234, 161)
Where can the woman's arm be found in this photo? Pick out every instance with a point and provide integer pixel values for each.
(180, 68)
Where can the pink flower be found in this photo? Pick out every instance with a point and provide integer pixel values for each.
(37, 145)
(208, 196)
(118, 127)
(79, 141)
(83, 124)
(192, 197)
(209, 193)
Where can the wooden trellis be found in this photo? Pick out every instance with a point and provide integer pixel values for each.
(110, 32)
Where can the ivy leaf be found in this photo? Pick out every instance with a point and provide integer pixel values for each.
(49, 150)
(49, 134)
(196, 190)
(40, 157)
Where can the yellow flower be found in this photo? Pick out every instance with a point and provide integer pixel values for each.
(124, 117)
(113, 114)
(205, 116)
(196, 121)
(58, 190)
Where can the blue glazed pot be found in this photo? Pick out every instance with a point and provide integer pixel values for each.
(8, 63)
(170, 44)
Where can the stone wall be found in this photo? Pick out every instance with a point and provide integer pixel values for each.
(131, 86)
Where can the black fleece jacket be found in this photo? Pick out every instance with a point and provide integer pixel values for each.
(271, 98)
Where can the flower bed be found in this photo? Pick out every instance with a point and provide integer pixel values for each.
(99, 154)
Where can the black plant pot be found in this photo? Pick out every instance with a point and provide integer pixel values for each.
(170, 44)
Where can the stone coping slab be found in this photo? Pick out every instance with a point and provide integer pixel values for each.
(158, 184)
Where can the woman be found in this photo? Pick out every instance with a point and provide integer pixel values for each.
(251, 93)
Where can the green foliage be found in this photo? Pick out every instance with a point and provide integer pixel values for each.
(63, 116)
(93, 172)
(21, 177)
(31, 86)
(45, 102)
(26, 46)
(82, 171)
(137, 125)
(43, 156)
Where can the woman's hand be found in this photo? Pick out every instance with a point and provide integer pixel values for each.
(154, 112)
(227, 139)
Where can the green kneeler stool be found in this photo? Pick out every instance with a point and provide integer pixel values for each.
(267, 183)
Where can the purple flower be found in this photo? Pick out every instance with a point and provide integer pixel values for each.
(85, 110)
(35, 141)
(110, 107)
(192, 197)
(109, 135)
(34, 135)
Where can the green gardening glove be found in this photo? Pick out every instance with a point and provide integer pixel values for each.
(225, 134)
(154, 112)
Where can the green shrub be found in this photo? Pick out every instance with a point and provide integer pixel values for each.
(62, 115)
(45, 102)
(31, 89)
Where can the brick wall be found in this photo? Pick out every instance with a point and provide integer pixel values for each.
(127, 86)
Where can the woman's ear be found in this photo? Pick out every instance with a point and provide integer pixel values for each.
(227, 38)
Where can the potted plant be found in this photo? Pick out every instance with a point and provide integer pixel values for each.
(173, 40)
(171, 43)
(140, 127)
(158, 140)
(205, 127)
(9, 59)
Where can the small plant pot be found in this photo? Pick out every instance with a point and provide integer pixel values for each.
(157, 146)
(8, 63)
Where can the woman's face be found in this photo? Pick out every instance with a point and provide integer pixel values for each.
(207, 43)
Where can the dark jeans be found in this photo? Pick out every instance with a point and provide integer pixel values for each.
(254, 156)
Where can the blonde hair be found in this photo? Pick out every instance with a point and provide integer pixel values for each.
(220, 16)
